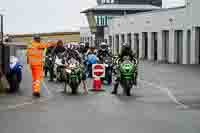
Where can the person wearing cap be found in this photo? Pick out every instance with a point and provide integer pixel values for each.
(35, 60)
(126, 51)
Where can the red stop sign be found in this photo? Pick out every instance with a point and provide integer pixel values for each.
(98, 70)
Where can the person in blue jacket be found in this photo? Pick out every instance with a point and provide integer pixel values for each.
(91, 59)
(14, 75)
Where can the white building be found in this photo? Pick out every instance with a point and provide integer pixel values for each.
(171, 35)
(86, 35)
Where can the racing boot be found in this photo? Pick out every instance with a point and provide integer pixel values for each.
(115, 88)
(36, 94)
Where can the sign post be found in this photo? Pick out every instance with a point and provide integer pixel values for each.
(98, 71)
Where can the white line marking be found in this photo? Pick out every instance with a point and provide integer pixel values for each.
(19, 105)
(34, 101)
(47, 89)
(167, 91)
(25, 103)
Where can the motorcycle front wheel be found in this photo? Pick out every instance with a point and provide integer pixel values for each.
(74, 86)
(127, 86)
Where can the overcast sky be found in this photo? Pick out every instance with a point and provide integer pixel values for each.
(27, 16)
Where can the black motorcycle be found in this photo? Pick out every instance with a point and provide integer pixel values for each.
(59, 66)
(49, 66)
(107, 61)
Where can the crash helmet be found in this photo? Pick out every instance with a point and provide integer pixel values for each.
(126, 46)
(69, 46)
(103, 46)
(82, 44)
(87, 45)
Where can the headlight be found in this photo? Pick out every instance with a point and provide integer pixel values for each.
(68, 70)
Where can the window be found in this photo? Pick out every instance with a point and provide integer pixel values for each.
(97, 18)
(106, 20)
(103, 20)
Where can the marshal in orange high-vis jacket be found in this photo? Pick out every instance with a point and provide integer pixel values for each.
(35, 60)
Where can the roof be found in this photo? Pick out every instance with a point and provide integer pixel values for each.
(160, 10)
(46, 34)
(121, 7)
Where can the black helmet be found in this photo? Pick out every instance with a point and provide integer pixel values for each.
(126, 46)
(36, 37)
(87, 45)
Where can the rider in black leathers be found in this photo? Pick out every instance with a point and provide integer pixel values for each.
(53, 51)
(126, 51)
(72, 53)
(103, 51)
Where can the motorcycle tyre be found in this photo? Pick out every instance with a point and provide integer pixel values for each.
(74, 86)
(127, 85)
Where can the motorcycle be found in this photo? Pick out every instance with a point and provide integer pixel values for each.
(73, 74)
(49, 66)
(59, 66)
(14, 76)
(127, 74)
(107, 61)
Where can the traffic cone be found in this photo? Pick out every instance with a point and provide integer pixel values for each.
(97, 85)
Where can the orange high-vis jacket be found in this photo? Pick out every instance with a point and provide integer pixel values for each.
(35, 53)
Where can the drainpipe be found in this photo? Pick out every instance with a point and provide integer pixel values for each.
(2, 29)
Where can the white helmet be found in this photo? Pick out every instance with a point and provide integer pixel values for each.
(103, 46)
(82, 44)
(13, 59)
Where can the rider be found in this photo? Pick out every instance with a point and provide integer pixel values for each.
(72, 53)
(82, 48)
(103, 51)
(126, 51)
(86, 48)
(59, 48)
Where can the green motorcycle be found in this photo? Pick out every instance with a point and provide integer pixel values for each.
(73, 77)
(127, 72)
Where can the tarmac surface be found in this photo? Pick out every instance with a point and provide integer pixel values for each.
(165, 101)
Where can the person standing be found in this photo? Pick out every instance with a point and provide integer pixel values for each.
(35, 60)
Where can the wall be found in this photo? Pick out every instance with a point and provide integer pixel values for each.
(193, 12)
(86, 35)
(152, 21)
(85, 31)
